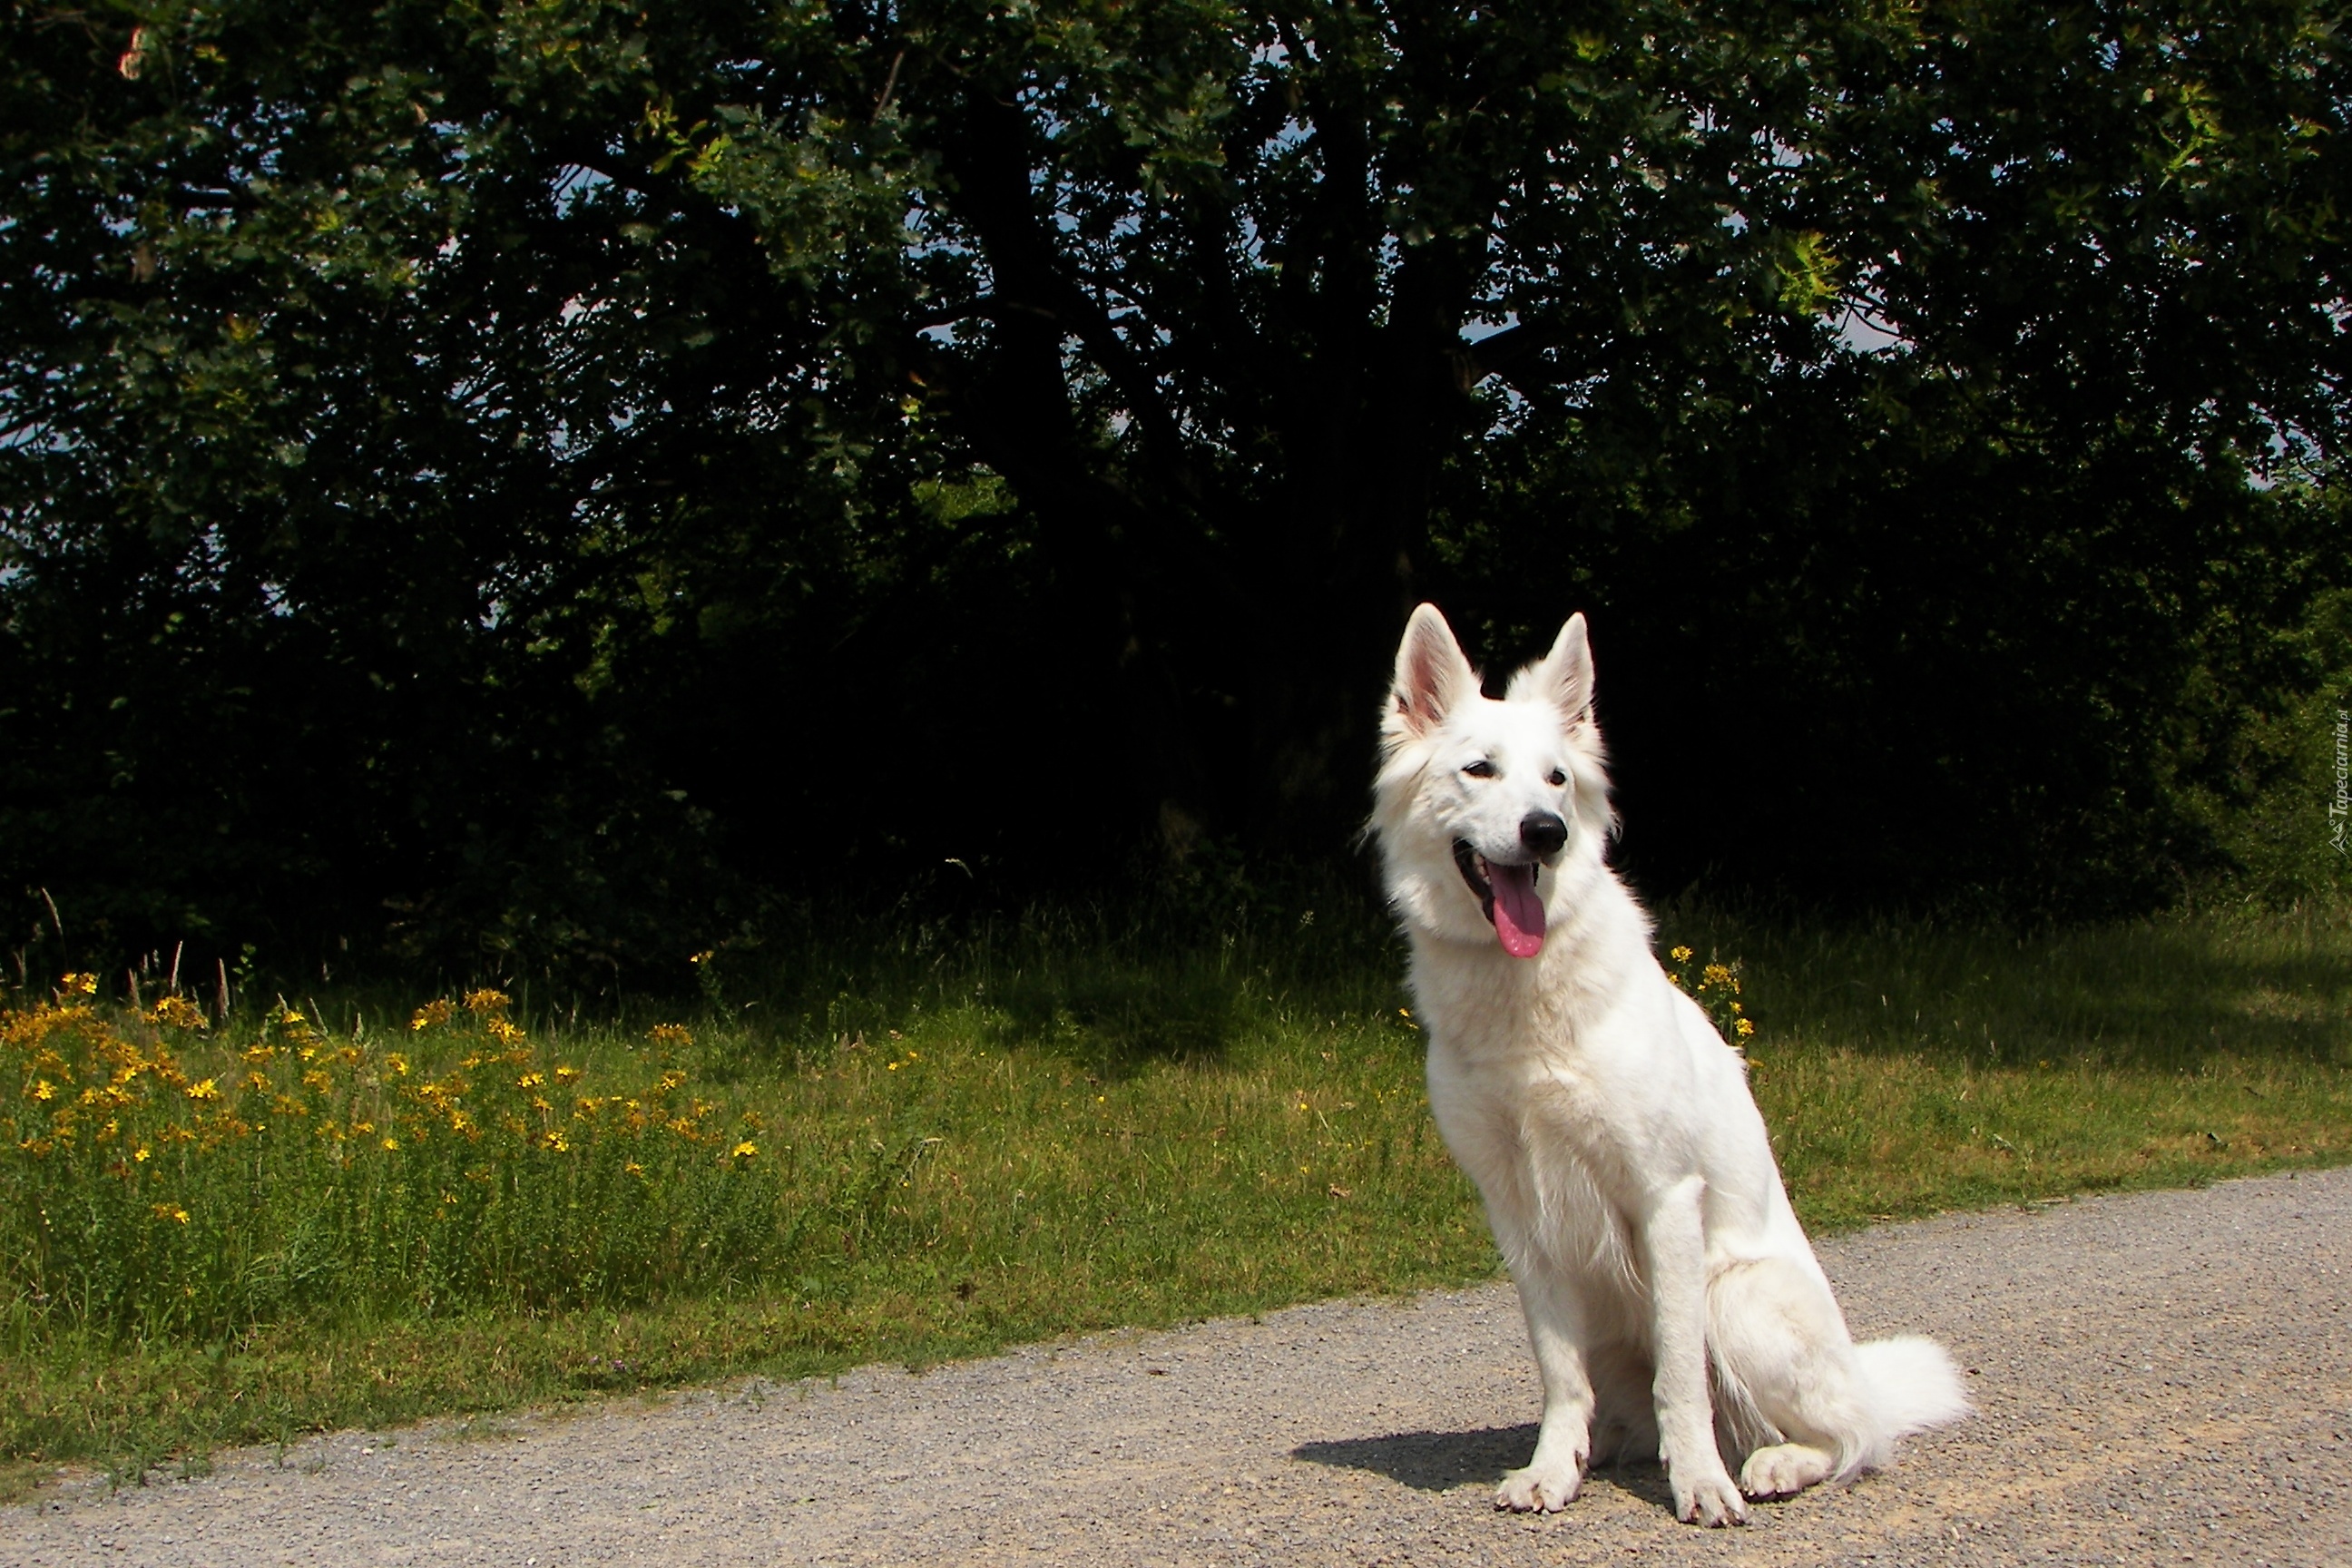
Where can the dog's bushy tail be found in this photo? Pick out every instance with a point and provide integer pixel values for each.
(1911, 1385)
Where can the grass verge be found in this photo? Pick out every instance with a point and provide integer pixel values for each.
(960, 1144)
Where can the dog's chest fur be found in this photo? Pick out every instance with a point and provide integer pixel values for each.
(1534, 1104)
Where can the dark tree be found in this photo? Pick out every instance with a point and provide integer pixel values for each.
(541, 476)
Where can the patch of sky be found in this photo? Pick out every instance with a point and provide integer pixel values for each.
(1511, 408)
(1251, 242)
(205, 562)
(1861, 332)
(1292, 135)
(2288, 454)
(572, 184)
(1783, 155)
(32, 436)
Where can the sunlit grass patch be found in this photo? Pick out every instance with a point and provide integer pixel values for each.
(911, 1144)
(160, 1179)
(1907, 1067)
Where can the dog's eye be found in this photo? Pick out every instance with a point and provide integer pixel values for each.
(1557, 778)
(1481, 769)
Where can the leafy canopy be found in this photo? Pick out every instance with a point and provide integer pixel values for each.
(540, 474)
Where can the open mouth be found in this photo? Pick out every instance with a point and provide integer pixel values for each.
(1506, 897)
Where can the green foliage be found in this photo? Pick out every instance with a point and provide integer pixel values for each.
(505, 489)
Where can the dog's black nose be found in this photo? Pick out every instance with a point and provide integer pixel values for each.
(1543, 832)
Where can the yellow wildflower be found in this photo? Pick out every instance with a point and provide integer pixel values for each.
(140, 1153)
(554, 1138)
(1743, 1028)
(44, 1089)
(208, 1089)
(177, 1013)
(531, 1080)
(633, 1168)
(745, 1150)
(1681, 955)
(670, 1035)
(172, 1212)
(432, 1015)
(486, 1003)
(565, 1075)
(397, 1063)
(391, 1145)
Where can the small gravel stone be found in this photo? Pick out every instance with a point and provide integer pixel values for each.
(2161, 1377)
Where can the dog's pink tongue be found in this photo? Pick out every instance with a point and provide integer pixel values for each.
(1519, 913)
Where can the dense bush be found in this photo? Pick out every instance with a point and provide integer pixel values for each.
(513, 488)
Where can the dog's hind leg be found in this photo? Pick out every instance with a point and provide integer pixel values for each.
(1558, 1329)
(1787, 1383)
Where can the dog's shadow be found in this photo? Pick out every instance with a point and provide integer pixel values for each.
(1440, 1461)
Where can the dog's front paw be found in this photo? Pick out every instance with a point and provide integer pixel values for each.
(1540, 1488)
(1707, 1496)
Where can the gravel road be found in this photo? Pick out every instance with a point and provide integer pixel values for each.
(2163, 1377)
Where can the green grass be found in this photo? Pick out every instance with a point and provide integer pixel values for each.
(963, 1139)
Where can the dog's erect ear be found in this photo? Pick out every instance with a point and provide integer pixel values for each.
(1564, 678)
(1432, 679)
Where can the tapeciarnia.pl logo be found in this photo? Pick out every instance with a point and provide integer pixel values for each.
(2339, 808)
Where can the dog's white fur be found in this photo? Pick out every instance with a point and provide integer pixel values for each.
(1670, 1292)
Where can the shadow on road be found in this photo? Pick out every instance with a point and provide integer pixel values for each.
(1429, 1461)
(1440, 1461)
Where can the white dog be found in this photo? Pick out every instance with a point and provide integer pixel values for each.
(1625, 1169)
